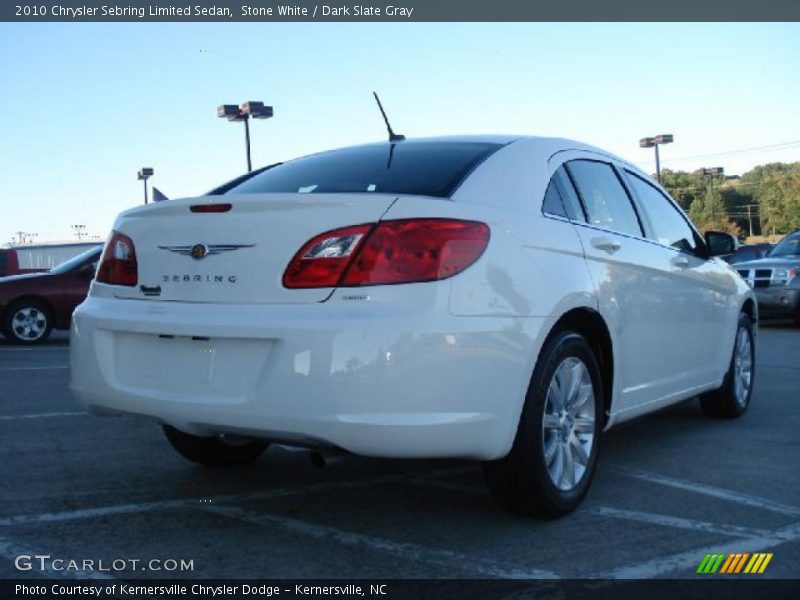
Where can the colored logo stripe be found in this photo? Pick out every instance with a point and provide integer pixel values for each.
(735, 563)
(710, 563)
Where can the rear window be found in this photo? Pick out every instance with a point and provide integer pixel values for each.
(3, 263)
(422, 169)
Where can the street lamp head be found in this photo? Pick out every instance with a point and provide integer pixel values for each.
(665, 138)
(230, 112)
(647, 142)
(256, 109)
(144, 173)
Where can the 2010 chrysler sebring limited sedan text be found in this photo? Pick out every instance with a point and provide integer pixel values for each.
(494, 298)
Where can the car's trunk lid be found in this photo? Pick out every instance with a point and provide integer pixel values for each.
(239, 255)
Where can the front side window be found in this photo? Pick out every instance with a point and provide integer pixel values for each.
(665, 224)
(605, 200)
(415, 168)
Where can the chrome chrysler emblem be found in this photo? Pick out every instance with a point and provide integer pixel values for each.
(198, 251)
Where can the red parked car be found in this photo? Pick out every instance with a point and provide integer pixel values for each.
(37, 258)
(32, 305)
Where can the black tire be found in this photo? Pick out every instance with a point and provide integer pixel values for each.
(521, 481)
(214, 451)
(725, 402)
(28, 322)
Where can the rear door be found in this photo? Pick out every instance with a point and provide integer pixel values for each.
(629, 275)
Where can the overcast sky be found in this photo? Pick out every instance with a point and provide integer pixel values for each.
(84, 106)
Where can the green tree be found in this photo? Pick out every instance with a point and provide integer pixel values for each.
(708, 212)
(685, 187)
(777, 188)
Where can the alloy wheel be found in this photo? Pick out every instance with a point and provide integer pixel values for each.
(743, 366)
(569, 423)
(29, 323)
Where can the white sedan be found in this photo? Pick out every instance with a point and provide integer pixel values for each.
(503, 299)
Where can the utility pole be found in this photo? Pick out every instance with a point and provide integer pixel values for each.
(750, 219)
(80, 231)
(24, 237)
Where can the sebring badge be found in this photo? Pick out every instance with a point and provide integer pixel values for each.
(198, 251)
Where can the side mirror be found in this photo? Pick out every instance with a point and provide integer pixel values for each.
(720, 243)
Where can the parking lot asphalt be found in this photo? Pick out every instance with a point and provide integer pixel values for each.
(670, 488)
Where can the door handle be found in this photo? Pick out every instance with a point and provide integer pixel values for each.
(608, 244)
(680, 261)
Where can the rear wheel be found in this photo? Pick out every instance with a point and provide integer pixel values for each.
(733, 397)
(552, 462)
(28, 322)
(215, 450)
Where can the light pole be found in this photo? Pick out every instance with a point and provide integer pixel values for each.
(143, 175)
(80, 231)
(655, 142)
(253, 109)
(708, 175)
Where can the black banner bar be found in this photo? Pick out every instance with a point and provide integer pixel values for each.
(703, 588)
(227, 11)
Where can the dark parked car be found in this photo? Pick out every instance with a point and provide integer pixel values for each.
(776, 279)
(749, 252)
(32, 305)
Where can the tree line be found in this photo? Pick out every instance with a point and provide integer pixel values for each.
(763, 201)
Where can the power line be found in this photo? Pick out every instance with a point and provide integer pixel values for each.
(781, 146)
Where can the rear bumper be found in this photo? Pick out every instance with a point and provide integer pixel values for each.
(401, 384)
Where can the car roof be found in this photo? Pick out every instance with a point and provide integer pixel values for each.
(555, 143)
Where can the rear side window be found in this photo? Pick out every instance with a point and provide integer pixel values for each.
(3, 263)
(665, 224)
(416, 168)
(553, 205)
(560, 199)
(605, 200)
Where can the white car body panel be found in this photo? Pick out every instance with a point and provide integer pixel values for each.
(436, 369)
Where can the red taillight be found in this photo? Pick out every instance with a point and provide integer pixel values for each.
(398, 251)
(118, 263)
(323, 259)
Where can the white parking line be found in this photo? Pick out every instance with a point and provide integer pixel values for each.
(10, 550)
(42, 415)
(607, 511)
(119, 509)
(404, 550)
(710, 490)
(676, 522)
(53, 368)
(682, 561)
